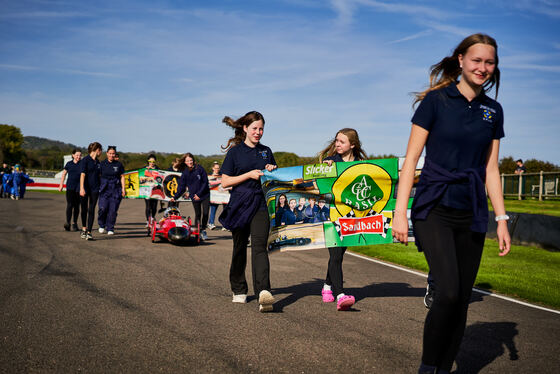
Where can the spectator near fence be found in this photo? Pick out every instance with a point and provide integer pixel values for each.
(520, 169)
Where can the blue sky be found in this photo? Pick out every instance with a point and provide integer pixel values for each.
(160, 75)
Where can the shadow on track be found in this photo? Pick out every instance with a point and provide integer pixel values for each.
(483, 343)
(313, 288)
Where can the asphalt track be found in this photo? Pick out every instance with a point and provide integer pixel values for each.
(122, 304)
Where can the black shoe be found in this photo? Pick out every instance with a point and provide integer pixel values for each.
(67, 226)
(74, 227)
(429, 297)
(89, 236)
(83, 234)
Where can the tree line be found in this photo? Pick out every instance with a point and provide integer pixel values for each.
(40, 153)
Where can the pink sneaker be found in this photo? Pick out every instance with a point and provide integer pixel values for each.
(345, 302)
(327, 296)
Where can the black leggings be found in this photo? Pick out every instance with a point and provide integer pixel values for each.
(89, 202)
(151, 208)
(72, 206)
(334, 270)
(453, 253)
(201, 208)
(258, 230)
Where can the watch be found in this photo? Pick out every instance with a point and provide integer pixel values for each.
(504, 217)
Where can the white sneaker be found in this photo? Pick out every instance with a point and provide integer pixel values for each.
(241, 298)
(211, 226)
(110, 233)
(266, 301)
(102, 230)
(203, 235)
(224, 229)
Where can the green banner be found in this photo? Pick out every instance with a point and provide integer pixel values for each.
(317, 206)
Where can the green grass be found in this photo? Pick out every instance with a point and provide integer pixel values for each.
(526, 273)
(546, 207)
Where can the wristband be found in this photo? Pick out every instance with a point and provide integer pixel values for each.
(504, 217)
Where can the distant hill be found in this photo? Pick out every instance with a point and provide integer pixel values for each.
(35, 143)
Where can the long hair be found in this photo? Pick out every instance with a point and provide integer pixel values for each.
(182, 165)
(239, 133)
(353, 138)
(448, 70)
(93, 147)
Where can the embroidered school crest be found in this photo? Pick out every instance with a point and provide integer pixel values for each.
(264, 154)
(487, 115)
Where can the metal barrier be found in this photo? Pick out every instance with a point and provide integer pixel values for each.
(542, 185)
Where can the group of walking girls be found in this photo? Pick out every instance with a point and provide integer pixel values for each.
(91, 183)
(460, 127)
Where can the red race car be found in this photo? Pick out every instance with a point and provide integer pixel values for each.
(174, 228)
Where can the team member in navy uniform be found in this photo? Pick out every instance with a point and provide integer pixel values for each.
(72, 169)
(324, 213)
(89, 187)
(281, 207)
(345, 147)
(111, 192)
(246, 213)
(289, 216)
(195, 178)
(461, 128)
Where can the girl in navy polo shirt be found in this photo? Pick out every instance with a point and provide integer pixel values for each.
(89, 187)
(461, 129)
(289, 216)
(280, 208)
(73, 170)
(346, 146)
(111, 192)
(246, 213)
(195, 178)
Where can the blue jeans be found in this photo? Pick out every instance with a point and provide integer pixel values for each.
(213, 209)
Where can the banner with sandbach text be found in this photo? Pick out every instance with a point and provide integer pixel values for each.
(321, 205)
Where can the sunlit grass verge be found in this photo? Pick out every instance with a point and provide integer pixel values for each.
(532, 206)
(526, 273)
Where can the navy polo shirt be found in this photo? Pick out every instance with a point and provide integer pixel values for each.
(73, 170)
(460, 135)
(241, 158)
(196, 180)
(91, 168)
(111, 170)
(336, 158)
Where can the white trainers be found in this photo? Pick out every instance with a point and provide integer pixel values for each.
(110, 233)
(211, 226)
(266, 301)
(203, 235)
(241, 298)
(102, 230)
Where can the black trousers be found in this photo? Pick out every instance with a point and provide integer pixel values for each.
(453, 253)
(72, 206)
(151, 208)
(88, 203)
(201, 208)
(334, 270)
(258, 230)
